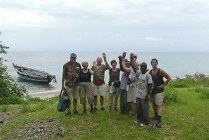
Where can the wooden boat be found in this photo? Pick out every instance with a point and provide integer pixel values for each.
(34, 75)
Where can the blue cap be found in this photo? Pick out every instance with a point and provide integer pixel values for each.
(73, 55)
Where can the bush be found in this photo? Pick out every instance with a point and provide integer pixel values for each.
(182, 83)
(198, 79)
(10, 92)
(170, 96)
(204, 92)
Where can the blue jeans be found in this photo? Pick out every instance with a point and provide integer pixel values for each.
(123, 101)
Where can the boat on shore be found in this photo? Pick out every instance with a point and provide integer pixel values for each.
(33, 74)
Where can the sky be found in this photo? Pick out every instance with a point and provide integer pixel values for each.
(105, 25)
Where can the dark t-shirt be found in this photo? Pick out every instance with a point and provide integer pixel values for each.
(157, 80)
(85, 77)
(114, 76)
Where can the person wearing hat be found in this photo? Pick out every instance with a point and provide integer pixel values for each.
(98, 81)
(70, 81)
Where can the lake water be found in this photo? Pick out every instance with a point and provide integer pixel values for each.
(175, 64)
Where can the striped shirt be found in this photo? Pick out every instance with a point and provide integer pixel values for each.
(99, 72)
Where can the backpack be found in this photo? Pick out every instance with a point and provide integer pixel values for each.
(63, 101)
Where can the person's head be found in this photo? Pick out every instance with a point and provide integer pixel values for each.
(154, 63)
(85, 64)
(143, 67)
(133, 56)
(128, 63)
(73, 57)
(113, 64)
(99, 61)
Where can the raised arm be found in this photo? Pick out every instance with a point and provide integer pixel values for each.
(123, 65)
(93, 68)
(135, 65)
(105, 59)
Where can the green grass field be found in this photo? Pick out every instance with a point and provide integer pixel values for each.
(185, 118)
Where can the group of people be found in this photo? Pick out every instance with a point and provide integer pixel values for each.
(135, 88)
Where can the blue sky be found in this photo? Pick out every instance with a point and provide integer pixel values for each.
(105, 25)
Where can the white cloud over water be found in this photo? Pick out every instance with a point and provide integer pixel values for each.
(153, 39)
(105, 23)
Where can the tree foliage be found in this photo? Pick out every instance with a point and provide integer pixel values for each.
(10, 92)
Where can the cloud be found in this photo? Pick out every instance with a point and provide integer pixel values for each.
(23, 18)
(40, 13)
(105, 23)
(153, 39)
(78, 38)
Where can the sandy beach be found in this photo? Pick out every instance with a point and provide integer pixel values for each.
(45, 94)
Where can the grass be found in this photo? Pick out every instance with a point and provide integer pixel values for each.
(185, 116)
(186, 119)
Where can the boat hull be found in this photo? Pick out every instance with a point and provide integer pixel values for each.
(34, 75)
(32, 79)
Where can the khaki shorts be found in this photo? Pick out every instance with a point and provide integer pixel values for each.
(86, 89)
(157, 99)
(73, 93)
(99, 89)
(131, 95)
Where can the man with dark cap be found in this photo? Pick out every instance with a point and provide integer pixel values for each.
(70, 81)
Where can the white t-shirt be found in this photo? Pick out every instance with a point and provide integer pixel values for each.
(143, 81)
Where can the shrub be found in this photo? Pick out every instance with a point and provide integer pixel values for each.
(204, 92)
(182, 83)
(10, 92)
(170, 96)
(198, 79)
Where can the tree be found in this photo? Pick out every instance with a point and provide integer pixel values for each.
(10, 92)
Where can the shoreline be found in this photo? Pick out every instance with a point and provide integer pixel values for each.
(44, 94)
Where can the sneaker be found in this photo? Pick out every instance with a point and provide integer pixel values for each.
(141, 124)
(136, 122)
(68, 113)
(102, 108)
(159, 125)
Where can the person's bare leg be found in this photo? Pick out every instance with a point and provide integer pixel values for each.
(102, 102)
(133, 109)
(68, 106)
(95, 101)
(75, 104)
